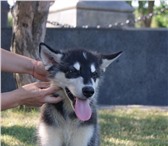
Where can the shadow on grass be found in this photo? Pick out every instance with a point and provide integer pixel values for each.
(23, 134)
(144, 131)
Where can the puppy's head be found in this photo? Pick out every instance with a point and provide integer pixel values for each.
(77, 72)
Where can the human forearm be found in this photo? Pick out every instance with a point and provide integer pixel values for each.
(12, 62)
(10, 100)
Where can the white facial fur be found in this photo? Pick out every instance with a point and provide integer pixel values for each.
(93, 68)
(95, 83)
(84, 55)
(77, 66)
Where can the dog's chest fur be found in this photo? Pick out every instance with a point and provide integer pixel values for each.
(68, 135)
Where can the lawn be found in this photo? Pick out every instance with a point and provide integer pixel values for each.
(119, 127)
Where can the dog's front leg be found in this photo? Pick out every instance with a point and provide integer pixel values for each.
(49, 136)
(82, 136)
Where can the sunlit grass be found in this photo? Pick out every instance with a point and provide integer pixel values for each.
(134, 127)
(119, 127)
(18, 128)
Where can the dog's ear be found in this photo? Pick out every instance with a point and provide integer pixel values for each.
(49, 56)
(108, 59)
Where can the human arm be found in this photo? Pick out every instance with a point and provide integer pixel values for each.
(34, 94)
(11, 62)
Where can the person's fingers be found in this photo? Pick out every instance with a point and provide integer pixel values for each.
(39, 71)
(50, 90)
(41, 77)
(47, 85)
(42, 84)
(40, 68)
(50, 99)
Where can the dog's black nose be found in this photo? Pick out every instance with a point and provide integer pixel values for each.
(88, 91)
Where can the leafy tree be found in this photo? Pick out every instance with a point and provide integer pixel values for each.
(146, 7)
(162, 18)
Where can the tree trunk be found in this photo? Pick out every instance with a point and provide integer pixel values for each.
(148, 21)
(29, 28)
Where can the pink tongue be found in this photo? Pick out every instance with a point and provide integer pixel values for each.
(82, 109)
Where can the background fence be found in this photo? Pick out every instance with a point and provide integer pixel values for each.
(139, 76)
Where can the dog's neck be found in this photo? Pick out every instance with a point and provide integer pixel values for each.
(66, 100)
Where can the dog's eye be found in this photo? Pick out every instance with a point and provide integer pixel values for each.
(72, 72)
(95, 75)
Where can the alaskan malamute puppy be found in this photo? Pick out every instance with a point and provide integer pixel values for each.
(73, 121)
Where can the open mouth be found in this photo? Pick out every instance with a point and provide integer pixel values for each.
(70, 95)
(81, 107)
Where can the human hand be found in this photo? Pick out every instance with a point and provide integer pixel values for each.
(38, 93)
(39, 71)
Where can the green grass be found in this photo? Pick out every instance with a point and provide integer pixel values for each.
(134, 127)
(119, 127)
(18, 128)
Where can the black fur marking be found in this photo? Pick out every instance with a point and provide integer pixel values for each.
(55, 94)
(72, 116)
(72, 72)
(111, 56)
(46, 116)
(70, 95)
(94, 141)
(43, 44)
(60, 108)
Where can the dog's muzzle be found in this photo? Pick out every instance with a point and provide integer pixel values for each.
(81, 106)
(88, 91)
